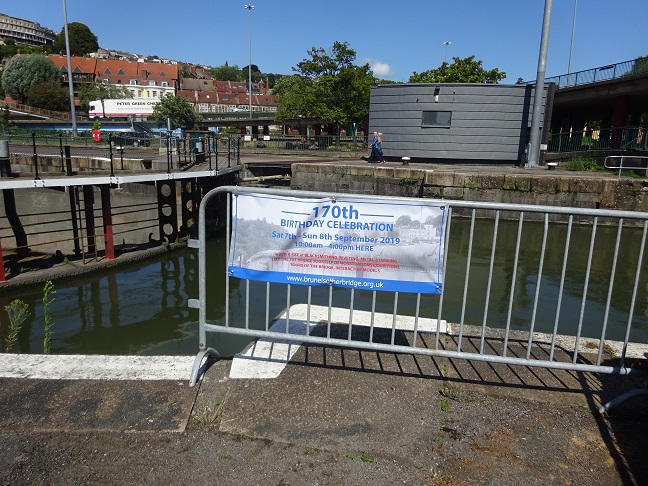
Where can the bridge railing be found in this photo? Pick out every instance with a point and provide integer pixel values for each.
(617, 138)
(507, 284)
(603, 73)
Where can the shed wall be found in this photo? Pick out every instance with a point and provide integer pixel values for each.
(490, 122)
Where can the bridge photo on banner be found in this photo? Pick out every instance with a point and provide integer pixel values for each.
(345, 243)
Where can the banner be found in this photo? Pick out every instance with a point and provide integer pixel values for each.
(351, 243)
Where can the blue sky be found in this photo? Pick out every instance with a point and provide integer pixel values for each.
(395, 38)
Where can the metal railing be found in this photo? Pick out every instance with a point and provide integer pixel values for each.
(313, 145)
(118, 151)
(522, 285)
(626, 162)
(603, 73)
(617, 138)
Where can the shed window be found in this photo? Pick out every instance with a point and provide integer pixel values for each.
(436, 119)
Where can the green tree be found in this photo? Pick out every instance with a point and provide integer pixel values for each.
(640, 66)
(49, 95)
(181, 113)
(82, 40)
(23, 72)
(329, 86)
(101, 91)
(228, 73)
(466, 70)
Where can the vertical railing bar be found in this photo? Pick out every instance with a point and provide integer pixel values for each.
(514, 276)
(561, 288)
(466, 279)
(490, 280)
(609, 296)
(330, 309)
(626, 339)
(247, 304)
(267, 306)
(394, 314)
(416, 319)
(538, 283)
(228, 241)
(373, 316)
(288, 309)
(351, 314)
(585, 286)
(443, 277)
(308, 310)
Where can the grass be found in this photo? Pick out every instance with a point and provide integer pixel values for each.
(364, 457)
(48, 298)
(582, 164)
(207, 416)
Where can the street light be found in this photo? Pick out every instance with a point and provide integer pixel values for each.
(69, 68)
(571, 47)
(249, 8)
(446, 43)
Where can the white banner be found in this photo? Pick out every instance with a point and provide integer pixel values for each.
(392, 246)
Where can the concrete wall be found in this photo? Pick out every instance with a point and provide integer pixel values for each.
(507, 185)
(489, 122)
(46, 219)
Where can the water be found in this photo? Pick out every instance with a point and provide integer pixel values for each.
(141, 308)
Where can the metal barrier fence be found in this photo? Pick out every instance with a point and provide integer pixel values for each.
(623, 138)
(551, 287)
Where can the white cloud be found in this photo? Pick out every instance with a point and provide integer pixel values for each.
(380, 69)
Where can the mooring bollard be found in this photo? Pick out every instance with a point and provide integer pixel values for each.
(5, 159)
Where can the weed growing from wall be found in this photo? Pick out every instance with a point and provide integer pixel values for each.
(18, 311)
(48, 298)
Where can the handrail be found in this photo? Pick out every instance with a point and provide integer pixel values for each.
(621, 167)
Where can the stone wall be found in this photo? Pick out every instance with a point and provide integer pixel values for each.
(479, 183)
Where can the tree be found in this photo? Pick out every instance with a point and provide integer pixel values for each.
(181, 113)
(49, 95)
(329, 86)
(466, 70)
(23, 72)
(228, 73)
(82, 40)
(101, 91)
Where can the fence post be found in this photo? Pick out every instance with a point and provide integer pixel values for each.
(110, 145)
(68, 161)
(62, 154)
(35, 156)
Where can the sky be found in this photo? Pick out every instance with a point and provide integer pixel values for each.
(394, 38)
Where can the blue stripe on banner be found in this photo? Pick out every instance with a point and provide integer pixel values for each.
(344, 282)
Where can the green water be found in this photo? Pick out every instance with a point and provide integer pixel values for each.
(142, 308)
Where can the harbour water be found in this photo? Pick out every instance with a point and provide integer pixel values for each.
(141, 308)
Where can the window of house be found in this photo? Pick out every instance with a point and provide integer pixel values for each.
(151, 83)
(436, 119)
(165, 84)
(154, 94)
(133, 81)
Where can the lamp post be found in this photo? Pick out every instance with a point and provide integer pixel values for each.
(571, 47)
(446, 43)
(69, 68)
(249, 8)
